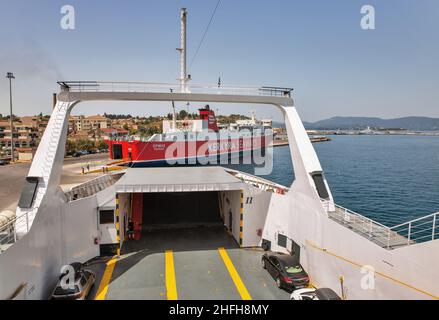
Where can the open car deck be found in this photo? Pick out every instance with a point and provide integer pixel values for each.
(202, 266)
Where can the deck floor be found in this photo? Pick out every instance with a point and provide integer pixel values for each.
(200, 271)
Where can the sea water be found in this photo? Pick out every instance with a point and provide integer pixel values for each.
(391, 179)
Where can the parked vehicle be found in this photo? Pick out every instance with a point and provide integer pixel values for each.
(314, 294)
(3, 162)
(286, 270)
(83, 282)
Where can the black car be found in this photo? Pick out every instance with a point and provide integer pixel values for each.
(286, 270)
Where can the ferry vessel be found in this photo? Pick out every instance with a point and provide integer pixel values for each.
(337, 247)
(198, 141)
(183, 251)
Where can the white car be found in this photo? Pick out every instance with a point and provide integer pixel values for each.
(314, 294)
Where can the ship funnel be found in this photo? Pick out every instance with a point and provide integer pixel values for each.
(207, 114)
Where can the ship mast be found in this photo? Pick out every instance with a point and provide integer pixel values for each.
(184, 77)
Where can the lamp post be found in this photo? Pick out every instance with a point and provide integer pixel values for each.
(10, 76)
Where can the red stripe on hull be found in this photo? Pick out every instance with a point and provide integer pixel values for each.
(162, 150)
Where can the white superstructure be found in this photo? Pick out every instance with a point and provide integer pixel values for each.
(338, 248)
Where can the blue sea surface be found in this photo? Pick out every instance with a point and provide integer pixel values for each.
(391, 179)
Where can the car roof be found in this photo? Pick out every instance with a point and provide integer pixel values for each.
(287, 259)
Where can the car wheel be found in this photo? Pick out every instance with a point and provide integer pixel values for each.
(264, 263)
(278, 283)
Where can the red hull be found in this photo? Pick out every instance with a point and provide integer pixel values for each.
(168, 150)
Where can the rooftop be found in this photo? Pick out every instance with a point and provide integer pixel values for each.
(96, 117)
(177, 179)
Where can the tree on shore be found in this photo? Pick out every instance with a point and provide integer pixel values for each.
(73, 146)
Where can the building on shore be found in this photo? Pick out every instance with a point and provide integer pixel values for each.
(89, 123)
(111, 133)
(27, 135)
(27, 132)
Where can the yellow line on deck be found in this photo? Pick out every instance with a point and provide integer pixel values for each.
(103, 287)
(234, 274)
(171, 285)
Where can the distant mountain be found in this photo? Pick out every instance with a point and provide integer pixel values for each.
(277, 124)
(409, 123)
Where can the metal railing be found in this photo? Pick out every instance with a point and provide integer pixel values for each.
(374, 231)
(419, 230)
(276, 91)
(258, 182)
(415, 231)
(14, 230)
(92, 187)
(145, 87)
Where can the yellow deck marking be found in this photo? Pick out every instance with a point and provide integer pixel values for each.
(234, 274)
(171, 285)
(103, 287)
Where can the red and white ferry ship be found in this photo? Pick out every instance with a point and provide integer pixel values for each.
(199, 141)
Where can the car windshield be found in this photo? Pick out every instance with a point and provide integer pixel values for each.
(293, 269)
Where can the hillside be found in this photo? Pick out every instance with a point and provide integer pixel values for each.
(409, 123)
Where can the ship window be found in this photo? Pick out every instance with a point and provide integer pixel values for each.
(266, 244)
(28, 193)
(281, 240)
(106, 216)
(320, 185)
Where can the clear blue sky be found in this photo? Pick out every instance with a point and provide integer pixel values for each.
(317, 47)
